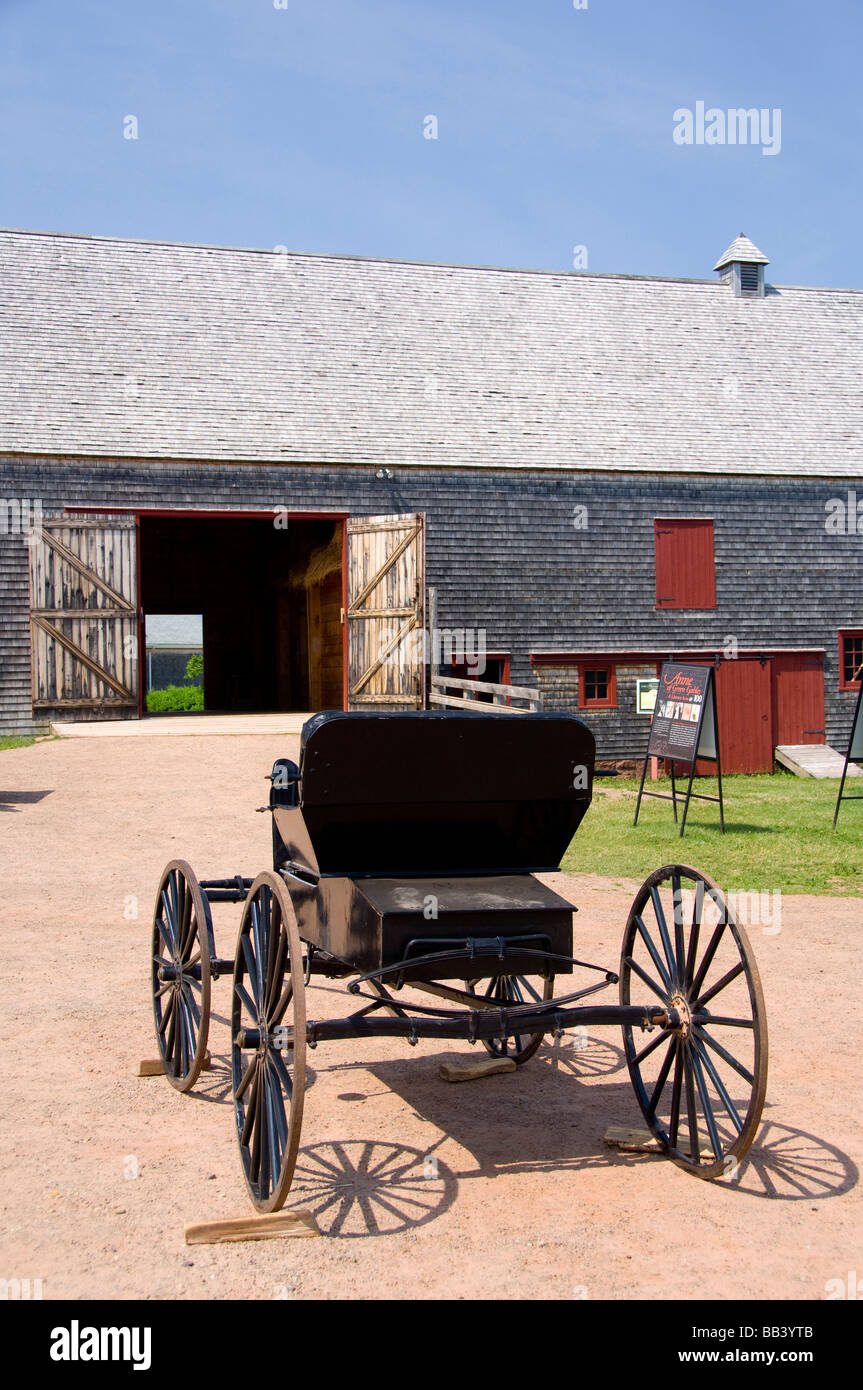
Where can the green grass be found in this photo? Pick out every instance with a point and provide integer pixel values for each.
(777, 835)
(15, 743)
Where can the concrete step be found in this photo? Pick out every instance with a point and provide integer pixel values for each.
(814, 760)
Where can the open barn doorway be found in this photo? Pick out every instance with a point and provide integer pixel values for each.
(270, 600)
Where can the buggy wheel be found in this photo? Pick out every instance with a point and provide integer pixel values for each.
(181, 948)
(700, 1085)
(268, 1041)
(508, 991)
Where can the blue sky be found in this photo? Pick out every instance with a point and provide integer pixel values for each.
(303, 127)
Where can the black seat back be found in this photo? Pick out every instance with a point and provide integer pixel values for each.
(441, 792)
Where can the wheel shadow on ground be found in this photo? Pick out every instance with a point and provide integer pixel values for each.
(358, 1188)
(541, 1119)
(544, 1118)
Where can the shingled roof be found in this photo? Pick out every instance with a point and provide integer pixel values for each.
(141, 349)
(742, 249)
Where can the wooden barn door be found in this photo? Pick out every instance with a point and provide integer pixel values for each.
(385, 589)
(744, 712)
(83, 616)
(798, 698)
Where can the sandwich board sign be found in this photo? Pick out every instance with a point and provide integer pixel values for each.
(855, 751)
(683, 729)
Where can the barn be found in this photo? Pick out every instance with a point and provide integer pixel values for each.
(360, 472)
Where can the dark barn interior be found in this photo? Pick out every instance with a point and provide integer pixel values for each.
(270, 599)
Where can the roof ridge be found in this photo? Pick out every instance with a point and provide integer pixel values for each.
(356, 256)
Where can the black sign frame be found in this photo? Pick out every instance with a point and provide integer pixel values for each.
(704, 747)
(854, 754)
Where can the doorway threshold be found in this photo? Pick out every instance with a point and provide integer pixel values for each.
(182, 725)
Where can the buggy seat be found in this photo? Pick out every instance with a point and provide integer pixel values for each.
(432, 792)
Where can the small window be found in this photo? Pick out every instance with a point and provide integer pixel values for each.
(850, 660)
(685, 569)
(597, 686)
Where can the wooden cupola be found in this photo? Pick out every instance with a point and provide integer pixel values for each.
(742, 267)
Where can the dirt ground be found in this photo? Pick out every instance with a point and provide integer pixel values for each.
(501, 1188)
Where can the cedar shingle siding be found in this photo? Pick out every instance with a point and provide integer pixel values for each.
(137, 374)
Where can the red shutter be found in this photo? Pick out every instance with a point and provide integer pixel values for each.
(685, 571)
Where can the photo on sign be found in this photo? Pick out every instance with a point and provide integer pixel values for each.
(645, 700)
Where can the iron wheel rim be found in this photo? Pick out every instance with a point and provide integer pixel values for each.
(182, 945)
(703, 1093)
(268, 1080)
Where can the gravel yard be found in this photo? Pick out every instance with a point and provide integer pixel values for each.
(501, 1188)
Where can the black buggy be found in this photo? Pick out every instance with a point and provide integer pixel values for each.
(405, 849)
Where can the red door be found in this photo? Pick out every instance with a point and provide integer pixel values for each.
(798, 698)
(743, 703)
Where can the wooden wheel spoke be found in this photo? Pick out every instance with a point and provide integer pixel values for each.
(707, 958)
(651, 1047)
(662, 924)
(168, 1009)
(726, 979)
(191, 1003)
(654, 954)
(171, 1034)
(722, 1021)
(679, 947)
(188, 1034)
(663, 1076)
(243, 1085)
(277, 1127)
(276, 972)
(193, 961)
(181, 1062)
(691, 1111)
(163, 923)
(259, 911)
(252, 951)
(257, 1144)
(694, 933)
(534, 994)
(720, 1087)
(251, 1108)
(248, 1001)
(282, 1073)
(710, 1118)
(286, 996)
(677, 1086)
(173, 894)
(726, 1056)
(164, 962)
(251, 972)
(163, 989)
(643, 975)
(188, 923)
